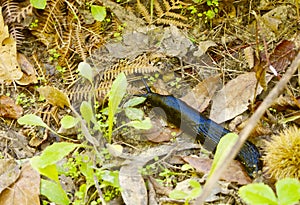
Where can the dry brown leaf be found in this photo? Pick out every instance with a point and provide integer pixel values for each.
(159, 133)
(234, 173)
(234, 98)
(202, 93)
(9, 173)
(54, 96)
(9, 68)
(283, 55)
(29, 75)
(25, 190)
(9, 109)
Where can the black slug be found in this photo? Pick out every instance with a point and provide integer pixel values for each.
(207, 131)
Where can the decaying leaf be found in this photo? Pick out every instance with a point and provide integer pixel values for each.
(200, 96)
(234, 173)
(29, 75)
(9, 109)
(25, 190)
(9, 173)
(234, 98)
(283, 55)
(9, 67)
(54, 96)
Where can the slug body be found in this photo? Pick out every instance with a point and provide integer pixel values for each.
(207, 131)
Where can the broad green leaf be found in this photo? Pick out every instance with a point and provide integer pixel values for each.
(49, 171)
(85, 70)
(39, 4)
(53, 154)
(31, 119)
(288, 191)
(134, 113)
(116, 94)
(68, 121)
(258, 193)
(98, 12)
(142, 125)
(134, 101)
(225, 145)
(86, 111)
(54, 192)
(178, 194)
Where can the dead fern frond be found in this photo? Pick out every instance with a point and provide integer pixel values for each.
(143, 10)
(79, 41)
(49, 18)
(166, 12)
(158, 8)
(140, 65)
(173, 22)
(15, 31)
(10, 11)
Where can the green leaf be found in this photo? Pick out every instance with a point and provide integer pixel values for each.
(142, 125)
(258, 193)
(49, 171)
(53, 154)
(134, 113)
(225, 145)
(39, 4)
(86, 111)
(85, 70)
(288, 191)
(116, 94)
(68, 121)
(98, 12)
(177, 194)
(31, 119)
(54, 192)
(134, 101)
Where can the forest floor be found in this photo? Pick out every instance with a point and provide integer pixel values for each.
(70, 133)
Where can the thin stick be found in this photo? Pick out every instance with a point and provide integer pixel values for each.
(247, 130)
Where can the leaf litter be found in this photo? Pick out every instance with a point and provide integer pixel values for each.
(194, 59)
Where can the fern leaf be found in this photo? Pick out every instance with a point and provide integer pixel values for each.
(143, 10)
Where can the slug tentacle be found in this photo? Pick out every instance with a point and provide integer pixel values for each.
(207, 131)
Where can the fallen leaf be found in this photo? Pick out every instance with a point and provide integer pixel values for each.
(200, 96)
(9, 67)
(9, 109)
(29, 75)
(203, 46)
(54, 96)
(283, 55)
(25, 190)
(234, 173)
(234, 98)
(9, 173)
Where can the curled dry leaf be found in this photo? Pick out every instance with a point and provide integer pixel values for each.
(283, 55)
(9, 67)
(9, 173)
(54, 96)
(25, 190)
(234, 173)
(200, 96)
(234, 98)
(29, 75)
(9, 109)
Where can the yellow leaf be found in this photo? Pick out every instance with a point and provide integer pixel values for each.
(54, 96)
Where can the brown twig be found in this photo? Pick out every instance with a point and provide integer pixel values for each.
(247, 130)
